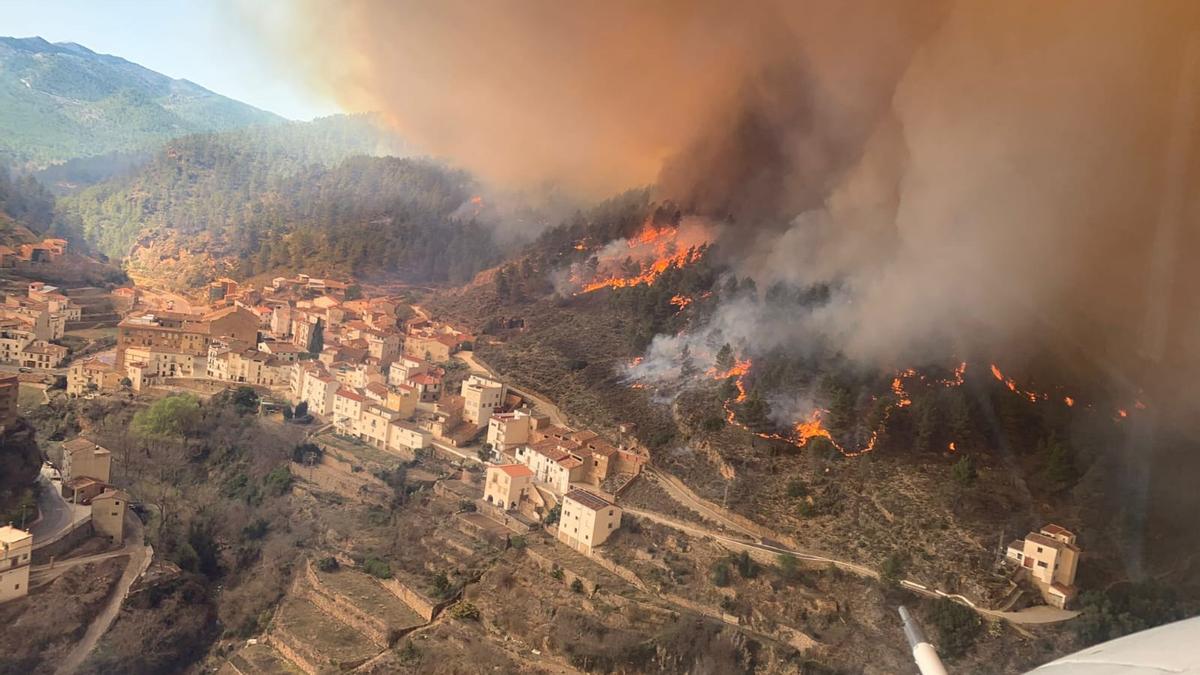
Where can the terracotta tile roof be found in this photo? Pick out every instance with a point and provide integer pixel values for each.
(515, 470)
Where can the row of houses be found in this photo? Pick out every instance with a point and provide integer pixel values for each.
(559, 456)
(30, 323)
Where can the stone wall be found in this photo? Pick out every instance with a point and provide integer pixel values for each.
(426, 607)
(63, 543)
(333, 604)
(293, 650)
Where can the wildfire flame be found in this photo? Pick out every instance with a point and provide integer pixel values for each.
(953, 448)
(661, 250)
(1034, 396)
(681, 301)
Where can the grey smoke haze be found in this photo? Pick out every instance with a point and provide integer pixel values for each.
(994, 175)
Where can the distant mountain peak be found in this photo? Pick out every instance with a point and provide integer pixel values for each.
(61, 101)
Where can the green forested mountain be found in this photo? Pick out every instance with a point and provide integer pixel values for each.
(294, 196)
(60, 101)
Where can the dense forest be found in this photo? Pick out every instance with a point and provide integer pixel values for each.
(25, 200)
(292, 197)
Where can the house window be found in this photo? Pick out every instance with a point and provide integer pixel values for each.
(1041, 563)
(1039, 549)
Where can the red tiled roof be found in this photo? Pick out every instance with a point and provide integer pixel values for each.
(515, 470)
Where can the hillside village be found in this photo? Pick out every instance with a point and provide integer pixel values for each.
(372, 382)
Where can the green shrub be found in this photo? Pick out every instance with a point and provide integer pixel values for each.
(577, 586)
(957, 627)
(328, 564)
(746, 566)
(789, 566)
(465, 611)
(721, 574)
(377, 568)
(796, 488)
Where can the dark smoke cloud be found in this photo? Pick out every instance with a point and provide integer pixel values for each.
(984, 176)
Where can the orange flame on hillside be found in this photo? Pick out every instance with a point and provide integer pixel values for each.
(681, 301)
(1035, 396)
(660, 249)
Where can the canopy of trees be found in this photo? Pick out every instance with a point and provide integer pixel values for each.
(275, 203)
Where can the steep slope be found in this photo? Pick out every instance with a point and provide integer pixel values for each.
(59, 101)
(298, 195)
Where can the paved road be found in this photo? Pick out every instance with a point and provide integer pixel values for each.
(140, 557)
(57, 514)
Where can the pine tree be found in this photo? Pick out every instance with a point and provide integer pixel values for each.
(725, 357)
(687, 367)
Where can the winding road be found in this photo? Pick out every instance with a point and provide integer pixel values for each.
(140, 556)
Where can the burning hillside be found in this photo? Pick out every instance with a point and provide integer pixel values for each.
(642, 258)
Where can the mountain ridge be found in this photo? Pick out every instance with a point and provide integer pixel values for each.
(61, 101)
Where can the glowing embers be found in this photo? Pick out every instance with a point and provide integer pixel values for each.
(1037, 396)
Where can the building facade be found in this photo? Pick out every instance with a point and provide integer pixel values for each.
(587, 520)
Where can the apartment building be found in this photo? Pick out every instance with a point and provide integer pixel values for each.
(108, 513)
(347, 408)
(16, 551)
(319, 391)
(551, 464)
(506, 484)
(82, 457)
(165, 331)
(97, 373)
(407, 438)
(1051, 557)
(402, 399)
(508, 430)
(481, 397)
(587, 520)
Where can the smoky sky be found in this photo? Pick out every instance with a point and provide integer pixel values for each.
(1012, 177)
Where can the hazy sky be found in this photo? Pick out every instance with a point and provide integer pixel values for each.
(209, 42)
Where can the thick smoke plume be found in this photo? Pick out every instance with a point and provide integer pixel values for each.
(972, 176)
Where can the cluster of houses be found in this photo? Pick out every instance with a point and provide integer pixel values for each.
(351, 362)
(540, 466)
(29, 323)
(85, 471)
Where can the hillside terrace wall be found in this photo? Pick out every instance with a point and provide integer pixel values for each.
(422, 605)
(337, 606)
(292, 648)
(338, 476)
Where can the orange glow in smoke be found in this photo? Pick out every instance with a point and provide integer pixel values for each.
(952, 447)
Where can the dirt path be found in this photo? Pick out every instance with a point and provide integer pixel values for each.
(140, 556)
(40, 575)
(744, 545)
